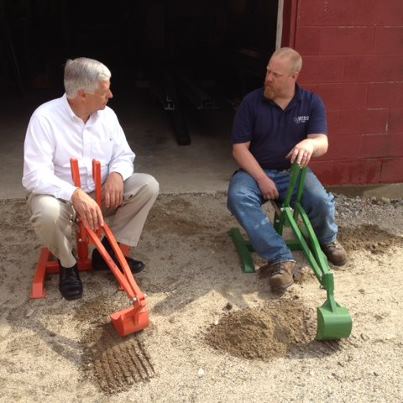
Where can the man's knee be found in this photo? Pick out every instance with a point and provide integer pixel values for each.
(236, 194)
(320, 203)
(46, 210)
(239, 198)
(144, 184)
(47, 213)
(151, 187)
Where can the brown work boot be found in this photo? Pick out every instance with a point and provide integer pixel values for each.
(280, 275)
(335, 253)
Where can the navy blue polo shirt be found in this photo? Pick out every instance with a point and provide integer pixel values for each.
(273, 132)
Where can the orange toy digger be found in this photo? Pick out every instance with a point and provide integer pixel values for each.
(127, 321)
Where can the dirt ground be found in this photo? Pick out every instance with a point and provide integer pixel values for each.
(216, 334)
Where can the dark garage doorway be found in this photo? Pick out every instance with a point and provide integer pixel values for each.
(187, 55)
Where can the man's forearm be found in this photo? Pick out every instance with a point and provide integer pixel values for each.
(320, 145)
(248, 162)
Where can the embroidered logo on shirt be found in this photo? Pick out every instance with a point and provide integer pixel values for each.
(301, 119)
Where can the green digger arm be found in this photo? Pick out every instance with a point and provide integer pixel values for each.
(333, 321)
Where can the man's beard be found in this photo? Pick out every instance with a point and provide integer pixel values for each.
(269, 93)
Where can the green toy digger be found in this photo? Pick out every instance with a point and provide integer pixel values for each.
(333, 321)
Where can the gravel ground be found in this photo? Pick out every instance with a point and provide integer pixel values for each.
(216, 334)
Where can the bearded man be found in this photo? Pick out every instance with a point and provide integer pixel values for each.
(274, 127)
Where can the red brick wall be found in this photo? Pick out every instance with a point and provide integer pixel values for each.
(353, 58)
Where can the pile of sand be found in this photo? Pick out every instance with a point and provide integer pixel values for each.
(263, 333)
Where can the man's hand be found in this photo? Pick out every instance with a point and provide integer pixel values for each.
(268, 188)
(302, 152)
(87, 209)
(113, 190)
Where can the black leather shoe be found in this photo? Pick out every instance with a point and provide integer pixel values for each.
(98, 263)
(70, 285)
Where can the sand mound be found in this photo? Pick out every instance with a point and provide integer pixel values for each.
(263, 333)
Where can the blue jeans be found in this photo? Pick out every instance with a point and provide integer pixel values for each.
(245, 202)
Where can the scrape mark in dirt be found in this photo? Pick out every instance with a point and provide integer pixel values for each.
(369, 238)
(187, 219)
(114, 363)
(117, 363)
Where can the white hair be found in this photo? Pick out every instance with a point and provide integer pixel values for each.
(84, 74)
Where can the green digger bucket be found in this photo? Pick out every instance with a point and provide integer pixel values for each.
(333, 324)
(333, 321)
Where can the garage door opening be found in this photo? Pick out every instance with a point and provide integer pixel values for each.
(190, 57)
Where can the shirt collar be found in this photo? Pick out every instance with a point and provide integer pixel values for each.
(67, 106)
(93, 116)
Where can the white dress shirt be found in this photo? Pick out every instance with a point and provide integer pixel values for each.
(55, 134)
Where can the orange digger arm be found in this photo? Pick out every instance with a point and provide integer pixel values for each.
(125, 279)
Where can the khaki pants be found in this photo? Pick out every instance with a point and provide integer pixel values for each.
(53, 219)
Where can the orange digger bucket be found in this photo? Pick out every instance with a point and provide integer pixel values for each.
(132, 319)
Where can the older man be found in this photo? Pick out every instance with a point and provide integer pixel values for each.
(275, 126)
(80, 125)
